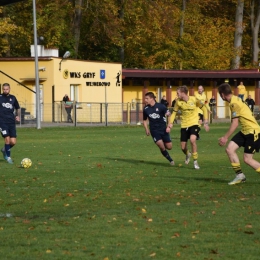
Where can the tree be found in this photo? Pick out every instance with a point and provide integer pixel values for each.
(255, 22)
(238, 34)
(76, 23)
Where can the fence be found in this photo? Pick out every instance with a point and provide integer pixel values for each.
(84, 113)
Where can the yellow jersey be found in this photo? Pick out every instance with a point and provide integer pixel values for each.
(241, 89)
(189, 111)
(202, 97)
(240, 110)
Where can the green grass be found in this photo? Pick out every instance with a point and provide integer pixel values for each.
(108, 193)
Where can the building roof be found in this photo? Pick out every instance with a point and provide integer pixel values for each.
(191, 74)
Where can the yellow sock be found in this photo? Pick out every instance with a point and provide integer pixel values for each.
(258, 170)
(195, 156)
(237, 168)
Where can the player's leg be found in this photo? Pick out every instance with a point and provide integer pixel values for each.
(184, 144)
(10, 141)
(158, 139)
(249, 160)
(7, 149)
(252, 145)
(164, 152)
(234, 144)
(168, 145)
(194, 150)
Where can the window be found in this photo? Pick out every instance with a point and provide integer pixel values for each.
(74, 92)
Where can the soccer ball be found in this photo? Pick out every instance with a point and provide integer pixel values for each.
(26, 163)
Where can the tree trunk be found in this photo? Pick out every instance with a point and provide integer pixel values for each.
(182, 27)
(76, 24)
(121, 17)
(238, 34)
(255, 22)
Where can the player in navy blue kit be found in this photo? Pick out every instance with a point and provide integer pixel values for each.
(156, 114)
(8, 105)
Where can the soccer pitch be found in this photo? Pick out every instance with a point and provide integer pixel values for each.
(108, 193)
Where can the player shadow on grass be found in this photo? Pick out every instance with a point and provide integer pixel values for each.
(183, 176)
(137, 161)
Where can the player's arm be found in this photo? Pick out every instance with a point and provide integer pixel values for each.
(234, 124)
(146, 123)
(207, 106)
(18, 114)
(146, 127)
(172, 117)
(18, 110)
(205, 114)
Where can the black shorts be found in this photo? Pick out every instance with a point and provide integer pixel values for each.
(187, 132)
(250, 142)
(161, 136)
(8, 130)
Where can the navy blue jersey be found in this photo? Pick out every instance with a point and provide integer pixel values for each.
(156, 116)
(7, 106)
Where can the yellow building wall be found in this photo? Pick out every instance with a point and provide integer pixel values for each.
(83, 74)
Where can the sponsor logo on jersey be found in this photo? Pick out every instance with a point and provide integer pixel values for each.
(7, 105)
(154, 115)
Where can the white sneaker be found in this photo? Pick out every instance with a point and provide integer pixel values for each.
(9, 160)
(239, 179)
(172, 163)
(196, 165)
(187, 159)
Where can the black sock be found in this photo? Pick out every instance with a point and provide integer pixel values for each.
(166, 155)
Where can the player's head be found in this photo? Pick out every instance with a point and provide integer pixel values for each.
(182, 91)
(149, 98)
(6, 88)
(225, 91)
(200, 89)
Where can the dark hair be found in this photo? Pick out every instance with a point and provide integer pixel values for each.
(151, 95)
(6, 84)
(225, 89)
(183, 89)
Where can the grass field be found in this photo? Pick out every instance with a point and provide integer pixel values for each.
(108, 193)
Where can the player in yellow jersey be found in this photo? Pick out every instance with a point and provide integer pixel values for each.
(248, 137)
(202, 97)
(189, 122)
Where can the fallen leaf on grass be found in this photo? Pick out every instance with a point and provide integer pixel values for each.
(244, 199)
(249, 232)
(153, 254)
(249, 226)
(48, 251)
(213, 251)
